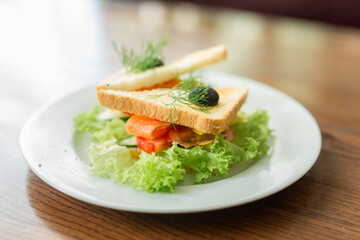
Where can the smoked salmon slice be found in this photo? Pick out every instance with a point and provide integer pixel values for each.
(146, 127)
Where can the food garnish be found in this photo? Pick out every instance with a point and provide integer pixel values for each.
(191, 91)
(204, 95)
(150, 56)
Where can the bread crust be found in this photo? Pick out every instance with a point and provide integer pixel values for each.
(141, 103)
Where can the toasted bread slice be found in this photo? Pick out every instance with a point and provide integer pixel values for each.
(132, 81)
(143, 103)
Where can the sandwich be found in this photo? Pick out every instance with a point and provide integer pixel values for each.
(165, 121)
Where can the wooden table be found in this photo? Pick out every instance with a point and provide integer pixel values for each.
(49, 48)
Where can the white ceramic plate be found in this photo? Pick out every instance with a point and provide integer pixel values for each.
(48, 139)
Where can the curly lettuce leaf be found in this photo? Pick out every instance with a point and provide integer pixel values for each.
(87, 122)
(108, 158)
(251, 136)
(206, 161)
(101, 130)
(113, 129)
(153, 173)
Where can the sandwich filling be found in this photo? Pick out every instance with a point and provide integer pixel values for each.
(160, 163)
(154, 136)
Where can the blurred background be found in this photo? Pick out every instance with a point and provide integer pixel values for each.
(332, 11)
(309, 49)
(63, 44)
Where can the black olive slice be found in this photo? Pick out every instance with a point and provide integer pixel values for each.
(153, 63)
(203, 96)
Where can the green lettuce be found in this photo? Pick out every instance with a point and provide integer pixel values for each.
(113, 129)
(251, 136)
(101, 130)
(108, 158)
(206, 161)
(153, 173)
(162, 171)
(87, 122)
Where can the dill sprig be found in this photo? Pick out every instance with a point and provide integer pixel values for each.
(179, 94)
(150, 56)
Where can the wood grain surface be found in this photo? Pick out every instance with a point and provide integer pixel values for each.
(50, 47)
